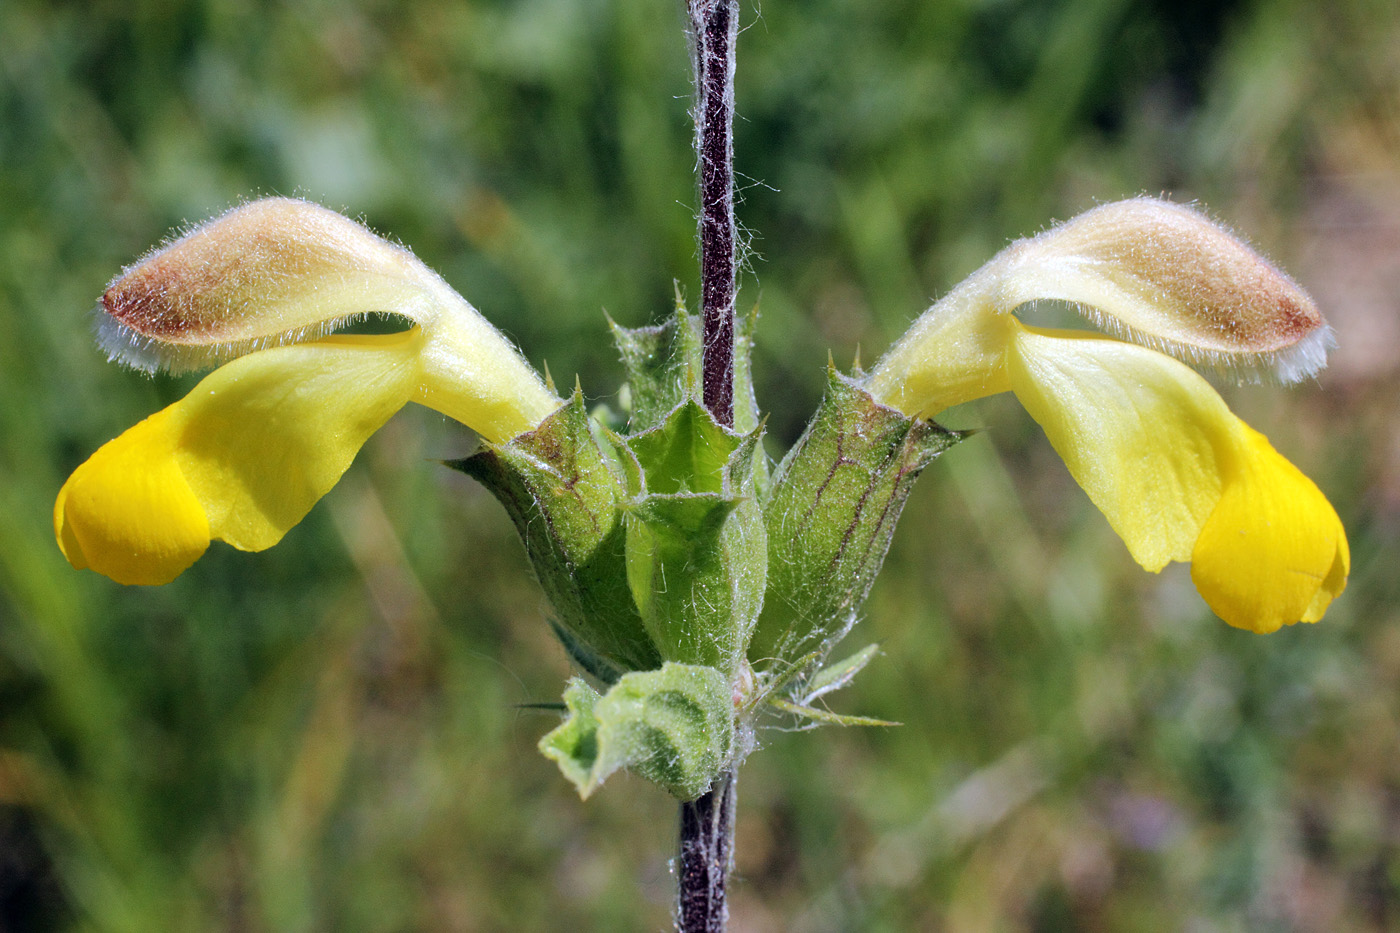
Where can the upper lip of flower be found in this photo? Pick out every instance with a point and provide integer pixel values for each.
(264, 274)
(1144, 270)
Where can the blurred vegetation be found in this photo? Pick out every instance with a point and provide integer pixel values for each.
(328, 736)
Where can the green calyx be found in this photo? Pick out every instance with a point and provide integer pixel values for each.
(835, 500)
(696, 550)
(562, 486)
(698, 590)
(664, 368)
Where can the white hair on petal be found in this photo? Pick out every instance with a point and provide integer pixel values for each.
(1306, 357)
(1292, 364)
(126, 345)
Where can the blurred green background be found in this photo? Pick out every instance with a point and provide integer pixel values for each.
(328, 736)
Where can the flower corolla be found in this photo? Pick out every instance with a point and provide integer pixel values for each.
(1178, 476)
(256, 443)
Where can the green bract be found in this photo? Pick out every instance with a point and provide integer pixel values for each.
(697, 590)
(674, 726)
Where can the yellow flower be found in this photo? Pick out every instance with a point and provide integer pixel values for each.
(1178, 476)
(247, 453)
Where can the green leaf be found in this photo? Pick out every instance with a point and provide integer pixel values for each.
(836, 676)
(673, 726)
(822, 717)
(831, 514)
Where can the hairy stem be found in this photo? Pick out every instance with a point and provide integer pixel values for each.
(714, 26)
(707, 848)
(707, 823)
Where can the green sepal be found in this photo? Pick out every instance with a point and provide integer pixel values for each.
(687, 452)
(565, 485)
(585, 656)
(793, 690)
(830, 515)
(696, 549)
(695, 564)
(673, 726)
(747, 416)
(664, 366)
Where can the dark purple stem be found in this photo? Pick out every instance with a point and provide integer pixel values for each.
(707, 849)
(707, 823)
(714, 27)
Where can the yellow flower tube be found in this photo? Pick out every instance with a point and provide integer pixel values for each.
(254, 445)
(1178, 476)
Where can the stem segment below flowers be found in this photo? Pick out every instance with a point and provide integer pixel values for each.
(707, 843)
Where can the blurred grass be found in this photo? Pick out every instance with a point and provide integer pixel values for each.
(327, 736)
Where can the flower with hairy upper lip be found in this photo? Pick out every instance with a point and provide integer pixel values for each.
(255, 444)
(1178, 476)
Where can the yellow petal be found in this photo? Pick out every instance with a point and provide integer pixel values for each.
(1273, 552)
(242, 458)
(270, 433)
(128, 513)
(1143, 434)
(471, 373)
(1334, 582)
(1159, 274)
